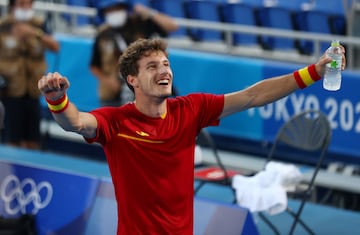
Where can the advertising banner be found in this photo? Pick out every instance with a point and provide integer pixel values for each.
(61, 202)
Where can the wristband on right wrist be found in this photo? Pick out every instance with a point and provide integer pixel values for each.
(306, 76)
(59, 105)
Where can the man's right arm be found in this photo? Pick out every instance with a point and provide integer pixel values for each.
(53, 86)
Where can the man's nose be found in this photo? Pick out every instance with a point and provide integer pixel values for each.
(163, 69)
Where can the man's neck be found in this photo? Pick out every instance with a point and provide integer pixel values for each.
(152, 109)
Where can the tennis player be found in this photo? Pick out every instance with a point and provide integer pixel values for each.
(149, 143)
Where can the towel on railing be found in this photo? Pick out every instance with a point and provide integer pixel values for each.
(266, 190)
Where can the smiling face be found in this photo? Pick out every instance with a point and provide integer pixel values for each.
(154, 78)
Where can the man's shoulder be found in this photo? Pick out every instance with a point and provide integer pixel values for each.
(193, 97)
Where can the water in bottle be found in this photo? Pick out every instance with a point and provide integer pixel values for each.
(332, 76)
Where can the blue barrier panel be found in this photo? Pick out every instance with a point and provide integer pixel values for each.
(214, 219)
(207, 72)
(61, 202)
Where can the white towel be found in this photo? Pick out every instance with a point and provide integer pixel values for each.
(287, 175)
(266, 190)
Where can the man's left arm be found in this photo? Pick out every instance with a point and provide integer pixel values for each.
(275, 88)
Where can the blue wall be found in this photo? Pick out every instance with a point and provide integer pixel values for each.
(205, 72)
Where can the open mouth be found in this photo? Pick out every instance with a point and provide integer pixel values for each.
(163, 82)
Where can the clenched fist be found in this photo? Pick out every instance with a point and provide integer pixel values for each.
(53, 86)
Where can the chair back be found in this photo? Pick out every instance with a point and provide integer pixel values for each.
(306, 131)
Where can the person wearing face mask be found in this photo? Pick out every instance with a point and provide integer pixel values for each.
(23, 41)
(120, 28)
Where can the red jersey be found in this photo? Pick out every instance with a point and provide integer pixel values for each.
(151, 161)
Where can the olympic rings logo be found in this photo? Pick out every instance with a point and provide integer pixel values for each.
(25, 195)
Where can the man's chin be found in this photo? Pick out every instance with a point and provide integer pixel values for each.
(164, 96)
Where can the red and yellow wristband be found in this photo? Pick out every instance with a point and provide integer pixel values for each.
(306, 76)
(59, 105)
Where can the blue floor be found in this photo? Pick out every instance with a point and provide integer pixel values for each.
(323, 220)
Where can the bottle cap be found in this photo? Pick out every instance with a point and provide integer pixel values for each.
(335, 43)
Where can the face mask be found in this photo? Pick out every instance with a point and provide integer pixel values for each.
(116, 19)
(23, 14)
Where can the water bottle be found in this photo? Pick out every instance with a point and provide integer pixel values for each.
(332, 76)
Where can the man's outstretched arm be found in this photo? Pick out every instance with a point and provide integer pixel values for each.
(272, 89)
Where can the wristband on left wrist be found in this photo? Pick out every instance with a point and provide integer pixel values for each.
(306, 76)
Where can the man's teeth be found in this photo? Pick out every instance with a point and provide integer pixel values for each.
(163, 82)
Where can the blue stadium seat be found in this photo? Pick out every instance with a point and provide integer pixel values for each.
(100, 19)
(324, 16)
(297, 7)
(254, 3)
(173, 8)
(317, 22)
(261, 17)
(335, 7)
(294, 5)
(278, 18)
(298, 10)
(80, 20)
(268, 14)
(336, 13)
(143, 2)
(242, 14)
(204, 10)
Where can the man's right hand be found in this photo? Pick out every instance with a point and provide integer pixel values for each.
(53, 86)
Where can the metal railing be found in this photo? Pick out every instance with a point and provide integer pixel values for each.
(316, 38)
(228, 30)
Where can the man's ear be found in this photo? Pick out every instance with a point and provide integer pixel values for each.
(132, 80)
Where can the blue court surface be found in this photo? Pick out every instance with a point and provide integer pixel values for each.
(323, 220)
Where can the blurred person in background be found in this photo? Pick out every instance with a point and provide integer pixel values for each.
(123, 24)
(23, 41)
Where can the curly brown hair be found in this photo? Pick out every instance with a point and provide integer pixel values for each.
(128, 62)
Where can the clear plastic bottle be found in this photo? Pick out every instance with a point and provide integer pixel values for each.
(332, 76)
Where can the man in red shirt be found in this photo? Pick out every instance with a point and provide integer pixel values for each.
(149, 143)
